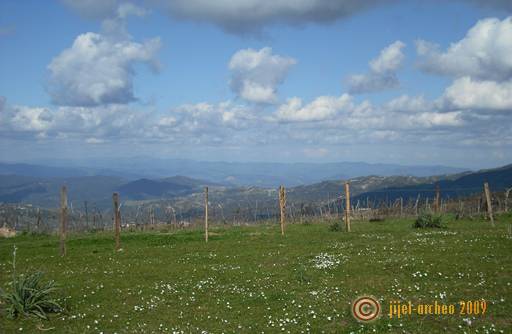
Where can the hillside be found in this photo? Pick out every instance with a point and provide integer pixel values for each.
(255, 203)
(499, 179)
(260, 174)
(97, 190)
(186, 194)
(168, 187)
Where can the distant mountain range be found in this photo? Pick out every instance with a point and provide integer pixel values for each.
(166, 188)
(459, 185)
(258, 174)
(97, 190)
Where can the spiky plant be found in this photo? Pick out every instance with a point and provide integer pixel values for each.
(29, 295)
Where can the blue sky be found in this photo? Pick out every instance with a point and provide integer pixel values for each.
(410, 82)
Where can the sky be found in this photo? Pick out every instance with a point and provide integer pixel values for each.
(391, 81)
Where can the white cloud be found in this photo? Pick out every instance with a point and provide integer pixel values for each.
(320, 109)
(466, 93)
(382, 73)
(100, 122)
(433, 119)
(389, 60)
(98, 70)
(205, 116)
(31, 119)
(256, 74)
(408, 104)
(484, 53)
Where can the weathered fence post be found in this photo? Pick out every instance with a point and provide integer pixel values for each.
(347, 206)
(507, 193)
(437, 205)
(489, 203)
(416, 204)
(63, 219)
(282, 206)
(117, 220)
(206, 214)
(38, 223)
(86, 215)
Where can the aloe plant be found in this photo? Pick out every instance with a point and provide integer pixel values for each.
(29, 295)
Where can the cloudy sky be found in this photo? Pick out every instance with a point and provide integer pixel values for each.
(410, 82)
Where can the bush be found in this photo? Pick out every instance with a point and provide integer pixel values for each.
(29, 295)
(336, 227)
(427, 219)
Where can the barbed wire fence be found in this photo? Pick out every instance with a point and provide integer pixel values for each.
(88, 216)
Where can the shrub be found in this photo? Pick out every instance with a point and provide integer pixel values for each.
(427, 219)
(336, 227)
(29, 295)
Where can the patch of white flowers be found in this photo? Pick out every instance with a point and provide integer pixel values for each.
(325, 261)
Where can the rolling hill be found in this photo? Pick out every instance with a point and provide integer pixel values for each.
(166, 188)
(187, 193)
(260, 174)
(464, 184)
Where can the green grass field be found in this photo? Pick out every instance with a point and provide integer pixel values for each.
(253, 280)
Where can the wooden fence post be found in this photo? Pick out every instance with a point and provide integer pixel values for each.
(507, 193)
(117, 220)
(206, 214)
(347, 206)
(416, 204)
(63, 219)
(282, 206)
(437, 204)
(489, 203)
(38, 223)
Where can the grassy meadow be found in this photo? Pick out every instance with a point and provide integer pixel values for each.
(250, 279)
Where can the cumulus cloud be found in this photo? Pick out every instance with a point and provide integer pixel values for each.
(31, 119)
(320, 109)
(382, 73)
(467, 93)
(203, 116)
(98, 70)
(437, 119)
(484, 53)
(256, 74)
(480, 64)
(409, 104)
(244, 16)
(100, 122)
